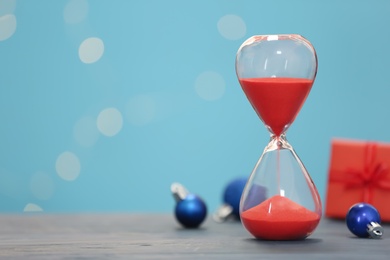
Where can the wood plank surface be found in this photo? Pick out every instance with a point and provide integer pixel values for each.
(158, 236)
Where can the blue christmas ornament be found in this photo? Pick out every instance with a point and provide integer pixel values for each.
(363, 220)
(256, 195)
(190, 210)
(231, 201)
(232, 194)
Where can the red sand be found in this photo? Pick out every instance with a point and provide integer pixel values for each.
(279, 218)
(277, 101)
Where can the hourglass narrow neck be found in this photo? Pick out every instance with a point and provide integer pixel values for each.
(278, 142)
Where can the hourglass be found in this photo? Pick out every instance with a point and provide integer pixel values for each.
(280, 200)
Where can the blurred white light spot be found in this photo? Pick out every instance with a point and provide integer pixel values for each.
(7, 26)
(109, 121)
(76, 11)
(68, 166)
(31, 207)
(85, 132)
(7, 7)
(42, 186)
(231, 27)
(210, 85)
(91, 50)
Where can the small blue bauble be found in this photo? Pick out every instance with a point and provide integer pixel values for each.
(359, 216)
(191, 211)
(232, 194)
(256, 195)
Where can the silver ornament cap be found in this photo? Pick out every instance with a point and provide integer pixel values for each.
(374, 230)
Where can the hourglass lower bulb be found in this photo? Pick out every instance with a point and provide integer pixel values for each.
(280, 201)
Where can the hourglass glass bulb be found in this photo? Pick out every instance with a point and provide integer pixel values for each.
(276, 73)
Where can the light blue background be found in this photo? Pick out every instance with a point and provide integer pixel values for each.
(168, 71)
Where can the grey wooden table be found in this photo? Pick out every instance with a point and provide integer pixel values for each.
(156, 236)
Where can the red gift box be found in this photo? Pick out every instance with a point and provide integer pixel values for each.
(359, 172)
